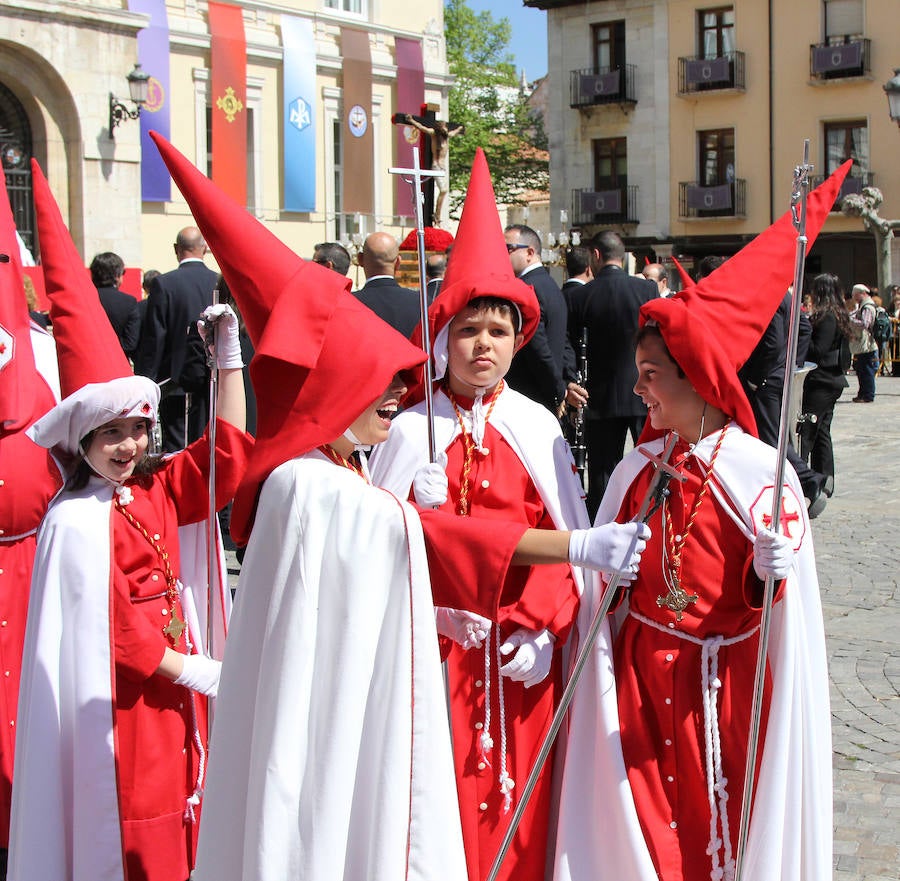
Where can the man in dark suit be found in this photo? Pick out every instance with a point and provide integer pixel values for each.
(608, 307)
(332, 255)
(175, 302)
(435, 267)
(578, 269)
(380, 260)
(107, 270)
(537, 368)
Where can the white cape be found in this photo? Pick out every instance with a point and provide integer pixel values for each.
(791, 826)
(65, 815)
(331, 753)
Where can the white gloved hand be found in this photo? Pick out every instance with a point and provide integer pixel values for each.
(772, 555)
(200, 674)
(430, 486)
(614, 548)
(531, 663)
(222, 323)
(465, 628)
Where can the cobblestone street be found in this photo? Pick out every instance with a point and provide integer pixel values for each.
(855, 541)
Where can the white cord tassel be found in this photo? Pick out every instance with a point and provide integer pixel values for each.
(485, 741)
(507, 784)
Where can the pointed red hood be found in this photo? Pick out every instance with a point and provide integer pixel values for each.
(712, 327)
(24, 395)
(321, 357)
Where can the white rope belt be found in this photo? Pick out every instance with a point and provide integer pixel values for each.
(716, 782)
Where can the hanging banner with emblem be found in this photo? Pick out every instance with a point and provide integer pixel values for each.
(153, 55)
(410, 98)
(228, 96)
(358, 189)
(299, 121)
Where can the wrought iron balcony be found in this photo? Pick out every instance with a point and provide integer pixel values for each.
(840, 61)
(611, 205)
(722, 200)
(700, 74)
(853, 183)
(603, 85)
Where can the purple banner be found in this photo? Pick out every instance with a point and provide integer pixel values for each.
(153, 55)
(410, 98)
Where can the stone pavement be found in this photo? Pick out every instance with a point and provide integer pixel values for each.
(856, 539)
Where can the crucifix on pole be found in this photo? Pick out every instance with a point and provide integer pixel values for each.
(436, 151)
(417, 175)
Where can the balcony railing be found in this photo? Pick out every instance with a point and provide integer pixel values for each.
(722, 200)
(613, 205)
(851, 184)
(604, 85)
(839, 61)
(700, 74)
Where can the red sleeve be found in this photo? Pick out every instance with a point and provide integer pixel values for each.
(468, 562)
(186, 473)
(139, 647)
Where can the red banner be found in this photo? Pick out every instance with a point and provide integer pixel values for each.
(358, 141)
(228, 50)
(410, 97)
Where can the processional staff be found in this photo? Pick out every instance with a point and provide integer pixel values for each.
(798, 211)
(419, 176)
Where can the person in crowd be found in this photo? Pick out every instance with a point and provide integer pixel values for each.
(893, 310)
(862, 344)
(658, 273)
(331, 757)
(176, 299)
(107, 271)
(501, 455)
(332, 255)
(114, 677)
(537, 370)
(608, 308)
(380, 260)
(829, 349)
(435, 267)
(578, 269)
(659, 730)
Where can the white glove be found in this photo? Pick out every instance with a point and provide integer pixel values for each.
(772, 555)
(465, 628)
(221, 321)
(200, 674)
(430, 487)
(614, 548)
(531, 663)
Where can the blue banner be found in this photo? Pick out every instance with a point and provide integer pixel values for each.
(299, 113)
(153, 55)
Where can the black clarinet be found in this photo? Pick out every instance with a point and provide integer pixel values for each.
(579, 447)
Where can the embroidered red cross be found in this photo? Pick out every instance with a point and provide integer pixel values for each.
(786, 518)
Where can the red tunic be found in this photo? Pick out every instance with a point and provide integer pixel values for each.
(537, 598)
(658, 675)
(155, 720)
(28, 481)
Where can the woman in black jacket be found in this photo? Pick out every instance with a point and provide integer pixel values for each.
(829, 348)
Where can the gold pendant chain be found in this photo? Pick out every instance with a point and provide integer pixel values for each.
(175, 626)
(676, 598)
(469, 447)
(338, 459)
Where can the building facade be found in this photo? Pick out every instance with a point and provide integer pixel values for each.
(63, 61)
(679, 123)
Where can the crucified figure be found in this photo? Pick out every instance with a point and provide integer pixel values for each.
(440, 133)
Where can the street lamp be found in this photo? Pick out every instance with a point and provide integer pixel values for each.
(892, 87)
(138, 88)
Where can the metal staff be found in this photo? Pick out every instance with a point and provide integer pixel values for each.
(798, 210)
(656, 492)
(212, 544)
(418, 175)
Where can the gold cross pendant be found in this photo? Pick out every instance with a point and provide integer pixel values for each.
(174, 628)
(677, 599)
